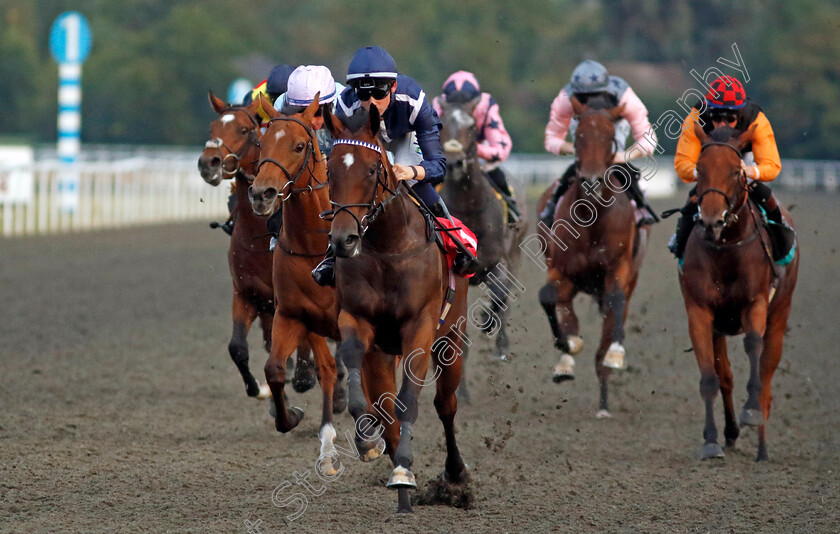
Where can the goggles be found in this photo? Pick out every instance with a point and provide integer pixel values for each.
(377, 92)
(723, 115)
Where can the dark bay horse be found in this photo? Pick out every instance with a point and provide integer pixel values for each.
(293, 172)
(594, 246)
(731, 286)
(232, 152)
(392, 283)
(471, 198)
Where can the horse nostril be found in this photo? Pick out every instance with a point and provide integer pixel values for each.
(270, 194)
(350, 240)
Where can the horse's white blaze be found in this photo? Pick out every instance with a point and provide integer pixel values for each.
(327, 436)
(348, 160)
(227, 117)
(615, 356)
(279, 135)
(462, 119)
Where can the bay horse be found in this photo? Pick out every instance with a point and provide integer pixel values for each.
(731, 285)
(472, 199)
(293, 173)
(232, 152)
(393, 287)
(603, 256)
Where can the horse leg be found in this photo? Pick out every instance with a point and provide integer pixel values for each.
(339, 395)
(754, 320)
(285, 336)
(329, 462)
(356, 340)
(446, 405)
(615, 299)
(770, 358)
(244, 314)
(559, 292)
(724, 372)
(499, 286)
(305, 376)
(701, 331)
(462, 392)
(379, 380)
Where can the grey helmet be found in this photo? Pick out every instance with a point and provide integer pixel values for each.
(589, 77)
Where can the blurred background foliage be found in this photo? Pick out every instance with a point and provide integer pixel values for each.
(153, 61)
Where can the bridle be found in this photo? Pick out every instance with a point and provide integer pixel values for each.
(730, 215)
(374, 208)
(288, 188)
(612, 139)
(218, 144)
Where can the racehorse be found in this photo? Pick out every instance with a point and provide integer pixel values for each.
(471, 197)
(603, 256)
(232, 152)
(394, 291)
(731, 285)
(293, 173)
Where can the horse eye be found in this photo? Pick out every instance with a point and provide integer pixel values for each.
(243, 130)
(299, 147)
(372, 170)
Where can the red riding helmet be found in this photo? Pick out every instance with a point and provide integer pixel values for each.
(726, 92)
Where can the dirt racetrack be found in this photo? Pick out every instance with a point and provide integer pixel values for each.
(120, 410)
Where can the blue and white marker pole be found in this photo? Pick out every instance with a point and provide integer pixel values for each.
(70, 44)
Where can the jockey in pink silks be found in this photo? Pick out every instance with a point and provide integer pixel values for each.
(494, 142)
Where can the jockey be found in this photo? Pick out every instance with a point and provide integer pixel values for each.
(411, 131)
(304, 83)
(494, 144)
(726, 104)
(593, 86)
(272, 87)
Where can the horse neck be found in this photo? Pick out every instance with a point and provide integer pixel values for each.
(399, 228)
(473, 189)
(302, 224)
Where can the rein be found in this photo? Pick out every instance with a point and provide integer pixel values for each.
(218, 144)
(730, 215)
(288, 188)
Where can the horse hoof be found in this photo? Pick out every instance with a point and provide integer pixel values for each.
(711, 450)
(374, 452)
(603, 414)
(252, 389)
(564, 369)
(305, 377)
(297, 411)
(401, 478)
(614, 358)
(575, 345)
(329, 465)
(264, 392)
(500, 358)
(750, 417)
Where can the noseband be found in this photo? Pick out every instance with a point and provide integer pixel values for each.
(374, 208)
(218, 144)
(730, 215)
(288, 188)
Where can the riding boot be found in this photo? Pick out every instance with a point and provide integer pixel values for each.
(324, 273)
(500, 181)
(465, 261)
(685, 224)
(275, 222)
(547, 214)
(782, 236)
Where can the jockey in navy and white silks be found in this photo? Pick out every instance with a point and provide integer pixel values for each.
(410, 131)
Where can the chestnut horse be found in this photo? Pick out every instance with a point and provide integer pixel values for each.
(293, 173)
(472, 199)
(731, 286)
(232, 152)
(601, 254)
(394, 289)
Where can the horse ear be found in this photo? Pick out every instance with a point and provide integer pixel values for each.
(701, 135)
(373, 120)
(577, 106)
(266, 105)
(312, 108)
(332, 123)
(746, 138)
(616, 112)
(216, 102)
(473, 103)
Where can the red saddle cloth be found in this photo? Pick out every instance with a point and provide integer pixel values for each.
(461, 232)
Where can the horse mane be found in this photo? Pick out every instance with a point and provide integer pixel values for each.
(356, 121)
(598, 101)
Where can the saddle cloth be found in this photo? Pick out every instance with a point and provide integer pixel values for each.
(464, 234)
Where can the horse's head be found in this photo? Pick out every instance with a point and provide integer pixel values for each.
(458, 136)
(594, 139)
(234, 141)
(286, 150)
(721, 184)
(359, 174)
